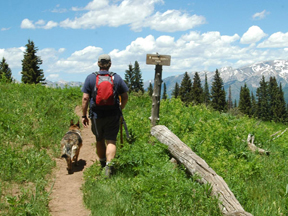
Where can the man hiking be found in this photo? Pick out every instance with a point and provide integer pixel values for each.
(101, 91)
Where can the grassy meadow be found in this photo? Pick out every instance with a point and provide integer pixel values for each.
(33, 119)
(147, 183)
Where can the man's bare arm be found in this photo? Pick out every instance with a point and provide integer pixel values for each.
(85, 102)
(124, 100)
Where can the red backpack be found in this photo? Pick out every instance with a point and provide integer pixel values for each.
(104, 92)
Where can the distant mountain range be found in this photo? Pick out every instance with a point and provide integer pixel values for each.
(251, 75)
(63, 84)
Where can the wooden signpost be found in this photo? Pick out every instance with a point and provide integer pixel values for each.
(158, 60)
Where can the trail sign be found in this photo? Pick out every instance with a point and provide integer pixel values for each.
(156, 59)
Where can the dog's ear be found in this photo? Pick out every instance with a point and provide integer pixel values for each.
(71, 122)
(78, 124)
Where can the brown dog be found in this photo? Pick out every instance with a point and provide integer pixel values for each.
(71, 144)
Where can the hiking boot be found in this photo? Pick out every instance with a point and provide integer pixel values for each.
(103, 163)
(109, 171)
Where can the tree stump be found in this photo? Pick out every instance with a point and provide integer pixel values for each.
(229, 205)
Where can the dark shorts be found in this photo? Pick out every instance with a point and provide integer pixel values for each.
(106, 128)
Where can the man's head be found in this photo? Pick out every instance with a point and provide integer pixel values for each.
(104, 62)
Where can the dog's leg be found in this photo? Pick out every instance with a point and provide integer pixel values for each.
(69, 165)
(76, 157)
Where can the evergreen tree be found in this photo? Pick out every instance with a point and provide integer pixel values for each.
(138, 81)
(262, 111)
(150, 89)
(273, 99)
(245, 105)
(31, 72)
(282, 111)
(185, 90)
(277, 101)
(164, 96)
(218, 93)
(175, 92)
(229, 102)
(197, 90)
(129, 77)
(235, 103)
(206, 93)
(5, 71)
(253, 105)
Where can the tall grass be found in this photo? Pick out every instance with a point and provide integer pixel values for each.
(33, 119)
(146, 183)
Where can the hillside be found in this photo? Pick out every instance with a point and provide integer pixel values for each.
(146, 182)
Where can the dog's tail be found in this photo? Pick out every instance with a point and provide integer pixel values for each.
(69, 151)
(66, 151)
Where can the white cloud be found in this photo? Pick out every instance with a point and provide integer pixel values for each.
(135, 13)
(50, 25)
(260, 15)
(277, 39)
(13, 56)
(253, 35)
(5, 29)
(27, 24)
(52, 77)
(59, 10)
(40, 22)
(172, 21)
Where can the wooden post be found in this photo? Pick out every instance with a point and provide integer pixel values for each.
(156, 96)
(157, 60)
(194, 164)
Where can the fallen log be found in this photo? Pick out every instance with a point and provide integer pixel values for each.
(194, 164)
(279, 134)
(253, 147)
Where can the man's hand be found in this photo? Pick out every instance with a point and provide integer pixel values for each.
(85, 121)
(85, 102)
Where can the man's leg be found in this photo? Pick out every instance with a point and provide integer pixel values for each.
(110, 150)
(101, 151)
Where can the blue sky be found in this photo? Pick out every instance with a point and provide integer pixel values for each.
(197, 34)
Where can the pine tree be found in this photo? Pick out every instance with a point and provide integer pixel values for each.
(197, 90)
(245, 104)
(150, 89)
(185, 90)
(262, 111)
(277, 101)
(206, 93)
(218, 94)
(235, 103)
(138, 81)
(229, 102)
(5, 71)
(253, 105)
(175, 92)
(31, 72)
(273, 98)
(129, 77)
(281, 111)
(164, 96)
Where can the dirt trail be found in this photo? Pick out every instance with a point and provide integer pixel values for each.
(67, 197)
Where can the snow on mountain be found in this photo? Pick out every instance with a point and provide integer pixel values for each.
(250, 74)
